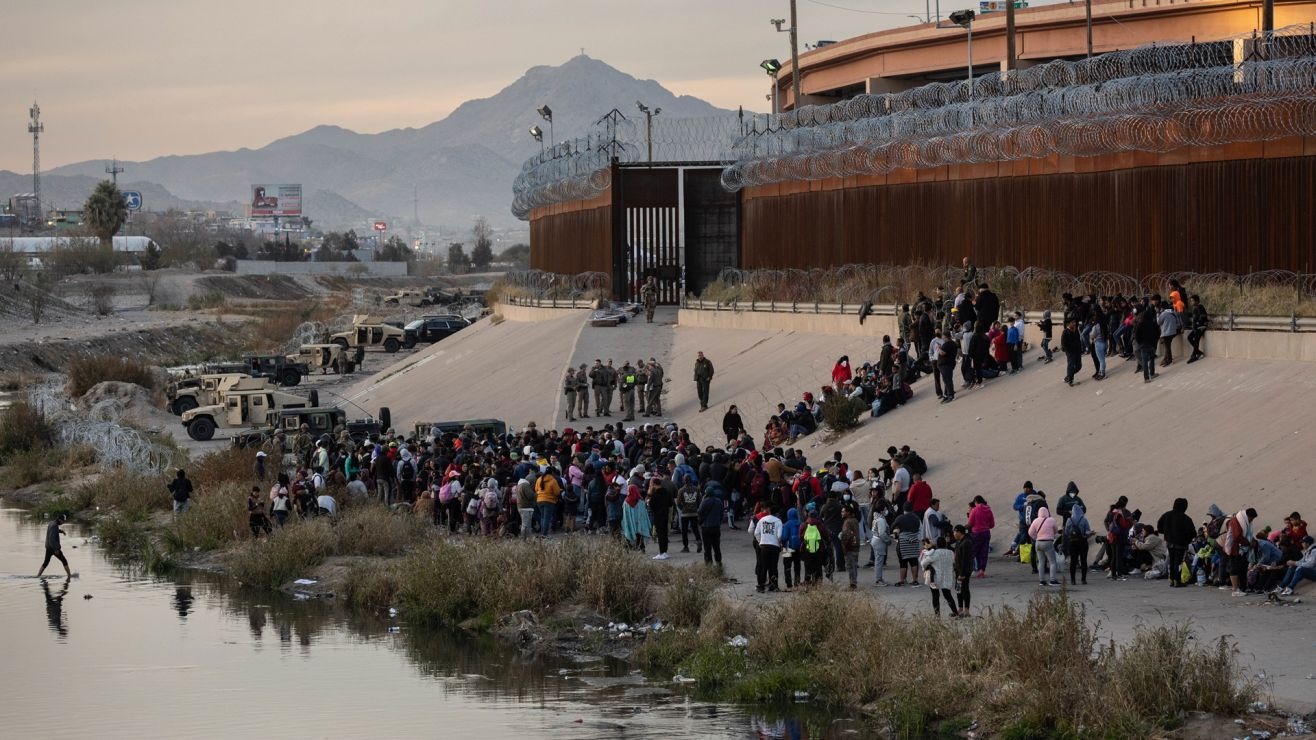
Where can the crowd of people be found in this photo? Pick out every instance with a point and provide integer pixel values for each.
(805, 520)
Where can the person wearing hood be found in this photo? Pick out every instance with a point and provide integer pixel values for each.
(1177, 528)
(1066, 502)
(525, 503)
(1077, 533)
(635, 523)
(792, 563)
(981, 522)
(880, 539)
(1043, 531)
(711, 511)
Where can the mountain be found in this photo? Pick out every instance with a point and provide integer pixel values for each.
(459, 167)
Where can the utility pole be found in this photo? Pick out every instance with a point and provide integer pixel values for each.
(648, 124)
(1268, 17)
(1011, 62)
(795, 59)
(415, 204)
(113, 169)
(1087, 7)
(35, 128)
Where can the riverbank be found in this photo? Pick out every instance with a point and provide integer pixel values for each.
(1015, 671)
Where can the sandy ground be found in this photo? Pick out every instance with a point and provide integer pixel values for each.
(1228, 432)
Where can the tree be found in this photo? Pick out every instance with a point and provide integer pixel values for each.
(105, 212)
(11, 263)
(150, 259)
(482, 252)
(458, 262)
(518, 254)
(393, 250)
(37, 297)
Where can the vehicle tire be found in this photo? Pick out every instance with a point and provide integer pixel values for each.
(183, 404)
(409, 343)
(391, 345)
(340, 342)
(290, 377)
(202, 429)
(385, 418)
(314, 399)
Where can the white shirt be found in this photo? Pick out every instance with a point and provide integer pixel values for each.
(900, 482)
(328, 504)
(933, 347)
(357, 488)
(768, 531)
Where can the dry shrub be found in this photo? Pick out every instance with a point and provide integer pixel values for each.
(616, 581)
(227, 465)
(132, 494)
(216, 517)
(85, 372)
(27, 468)
(24, 428)
(287, 554)
(688, 596)
(371, 584)
(374, 530)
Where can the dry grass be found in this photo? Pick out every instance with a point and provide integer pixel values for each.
(287, 554)
(216, 518)
(276, 325)
(23, 428)
(85, 372)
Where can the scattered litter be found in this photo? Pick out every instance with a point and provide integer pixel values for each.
(739, 641)
(562, 671)
(801, 696)
(1258, 706)
(624, 635)
(591, 628)
(578, 721)
(1238, 721)
(678, 678)
(1311, 676)
(392, 612)
(394, 630)
(1264, 735)
(657, 626)
(305, 582)
(299, 596)
(1298, 726)
(86, 596)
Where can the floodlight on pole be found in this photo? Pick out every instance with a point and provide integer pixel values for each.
(648, 125)
(537, 134)
(964, 19)
(795, 51)
(547, 114)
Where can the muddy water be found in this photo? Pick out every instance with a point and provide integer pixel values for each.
(113, 654)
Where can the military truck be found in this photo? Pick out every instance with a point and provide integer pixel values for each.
(246, 404)
(320, 421)
(186, 394)
(449, 429)
(368, 332)
(286, 371)
(324, 357)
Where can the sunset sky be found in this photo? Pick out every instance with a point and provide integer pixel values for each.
(138, 79)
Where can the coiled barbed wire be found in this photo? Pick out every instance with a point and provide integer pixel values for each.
(1153, 99)
(541, 284)
(116, 445)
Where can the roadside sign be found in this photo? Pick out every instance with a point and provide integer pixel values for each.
(133, 199)
(381, 226)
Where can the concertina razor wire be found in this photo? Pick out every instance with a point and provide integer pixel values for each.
(539, 284)
(116, 445)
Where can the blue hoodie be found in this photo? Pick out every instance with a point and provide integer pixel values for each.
(711, 508)
(1020, 505)
(790, 534)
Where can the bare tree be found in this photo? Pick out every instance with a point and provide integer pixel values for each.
(37, 296)
(11, 263)
(102, 299)
(150, 283)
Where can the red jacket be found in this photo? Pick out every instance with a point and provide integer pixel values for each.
(920, 496)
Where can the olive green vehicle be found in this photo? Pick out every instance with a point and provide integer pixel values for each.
(246, 404)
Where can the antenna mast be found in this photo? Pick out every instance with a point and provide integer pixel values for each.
(35, 127)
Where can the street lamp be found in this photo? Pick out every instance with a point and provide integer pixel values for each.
(648, 124)
(547, 114)
(772, 67)
(795, 51)
(537, 134)
(964, 19)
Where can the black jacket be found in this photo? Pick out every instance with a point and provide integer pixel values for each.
(1176, 526)
(964, 558)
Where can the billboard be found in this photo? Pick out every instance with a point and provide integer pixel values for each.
(276, 200)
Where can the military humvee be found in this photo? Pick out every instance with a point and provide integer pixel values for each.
(325, 358)
(367, 332)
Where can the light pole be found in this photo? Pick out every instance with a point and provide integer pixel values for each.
(537, 134)
(547, 114)
(772, 67)
(648, 125)
(795, 53)
(964, 19)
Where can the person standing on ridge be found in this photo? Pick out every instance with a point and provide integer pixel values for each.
(703, 379)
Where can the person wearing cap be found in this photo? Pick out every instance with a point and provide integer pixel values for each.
(569, 390)
(582, 392)
(598, 378)
(1302, 569)
(610, 387)
(628, 379)
(641, 386)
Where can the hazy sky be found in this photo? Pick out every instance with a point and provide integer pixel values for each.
(141, 78)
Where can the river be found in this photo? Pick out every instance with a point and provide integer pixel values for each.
(115, 654)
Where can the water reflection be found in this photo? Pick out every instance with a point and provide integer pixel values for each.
(183, 602)
(55, 607)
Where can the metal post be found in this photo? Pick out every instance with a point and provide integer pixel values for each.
(970, 60)
(648, 133)
(1267, 17)
(1087, 6)
(1010, 61)
(795, 59)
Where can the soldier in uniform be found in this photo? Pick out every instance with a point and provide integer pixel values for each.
(642, 382)
(582, 391)
(609, 388)
(599, 382)
(359, 357)
(569, 390)
(628, 379)
(302, 445)
(655, 388)
(649, 295)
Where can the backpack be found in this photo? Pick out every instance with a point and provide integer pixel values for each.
(915, 463)
(473, 506)
(688, 497)
(445, 493)
(408, 472)
(812, 538)
(491, 503)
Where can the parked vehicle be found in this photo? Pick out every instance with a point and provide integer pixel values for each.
(245, 404)
(186, 394)
(283, 370)
(325, 358)
(320, 420)
(449, 429)
(428, 329)
(367, 332)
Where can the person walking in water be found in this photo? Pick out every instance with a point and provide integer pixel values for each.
(53, 549)
(703, 379)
